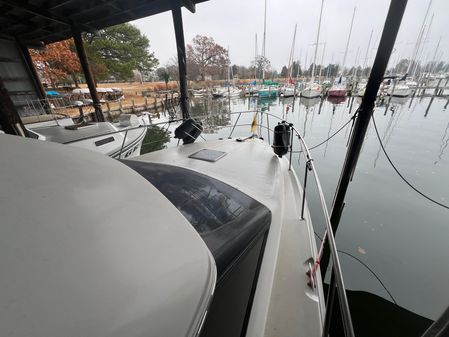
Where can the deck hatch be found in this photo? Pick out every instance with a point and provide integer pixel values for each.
(208, 155)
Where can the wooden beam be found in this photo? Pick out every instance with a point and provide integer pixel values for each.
(181, 48)
(87, 73)
(190, 5)
(44, 13)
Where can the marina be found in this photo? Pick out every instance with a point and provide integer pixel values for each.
(202, 198)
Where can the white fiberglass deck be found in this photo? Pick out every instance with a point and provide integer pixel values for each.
(284, 305)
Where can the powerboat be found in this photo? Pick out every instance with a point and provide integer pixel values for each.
(399, 90)
(203, 239)
(118, 140)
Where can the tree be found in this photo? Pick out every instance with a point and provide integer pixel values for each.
(261, 63)
(284, 72)
(206, 57)
(118, 50)
(57, 62)
(163, 74)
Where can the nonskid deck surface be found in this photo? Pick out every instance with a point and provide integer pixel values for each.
(284, 305)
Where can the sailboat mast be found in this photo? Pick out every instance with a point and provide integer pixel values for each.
(347, 42)
(421, 47)
(316, 44)
(264, 39)
(292, 55)
(365, 61)
(322, 60)
(255, 60)
(434, 58)
(418, 40)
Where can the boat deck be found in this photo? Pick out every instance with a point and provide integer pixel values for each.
(63, 135)
(283, 305)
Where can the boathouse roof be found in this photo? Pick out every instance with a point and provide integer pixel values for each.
(47, 21)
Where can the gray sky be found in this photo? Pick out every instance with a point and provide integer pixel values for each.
(234, 23)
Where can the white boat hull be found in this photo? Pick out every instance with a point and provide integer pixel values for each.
(310, 93)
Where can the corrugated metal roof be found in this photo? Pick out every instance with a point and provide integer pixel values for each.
(49, 21)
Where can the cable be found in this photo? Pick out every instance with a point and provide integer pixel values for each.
(399, 173)
(367, 267)
(331, 136)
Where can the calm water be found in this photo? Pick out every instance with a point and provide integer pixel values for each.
(395, 232)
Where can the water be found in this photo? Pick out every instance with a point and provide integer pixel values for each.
(386, 226)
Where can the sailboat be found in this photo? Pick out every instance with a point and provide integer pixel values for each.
(268, 89)
(313, 89)
(339, 87)
(288, 90)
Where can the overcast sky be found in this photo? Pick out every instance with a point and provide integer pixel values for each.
(234, 23)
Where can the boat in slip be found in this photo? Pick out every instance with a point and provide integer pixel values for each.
(118, 140)
(312, 90)
(399, 90)
(338, 89)
(203, 239)
(268, 91)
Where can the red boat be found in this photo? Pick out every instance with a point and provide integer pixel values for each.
(337, 91)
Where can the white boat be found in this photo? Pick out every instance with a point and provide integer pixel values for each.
(199, 92)
(118, 140)
(287, 91)
(312, 90)
(399, 90)
(210, 237)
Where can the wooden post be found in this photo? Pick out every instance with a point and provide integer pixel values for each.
(133, 106)
(10, 121)
(155, 104)
(179, 33)
(146, 103)
(120, 106)
(87, 73)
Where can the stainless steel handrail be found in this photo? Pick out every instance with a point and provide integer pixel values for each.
(344, 305)
(329, 235)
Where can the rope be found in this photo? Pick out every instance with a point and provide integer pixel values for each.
(399, 173)
(367, 267)
(331, 136)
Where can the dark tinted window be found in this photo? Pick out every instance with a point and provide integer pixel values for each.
(227, 219)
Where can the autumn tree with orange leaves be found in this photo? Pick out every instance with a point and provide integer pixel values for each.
(57, 62)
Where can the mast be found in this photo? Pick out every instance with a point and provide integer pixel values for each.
(263, 42)
(329, 66)
(255, 60)
(420, 52)
(365, 61)
(434, 58)
(316, 44)
(418, 40)
(322, 61)
(292, 55)
(347, 42)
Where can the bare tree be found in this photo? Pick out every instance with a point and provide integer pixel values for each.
(206, 57)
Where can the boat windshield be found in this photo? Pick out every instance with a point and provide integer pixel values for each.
(228, 220)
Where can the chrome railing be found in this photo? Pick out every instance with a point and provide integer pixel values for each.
(328, 235)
